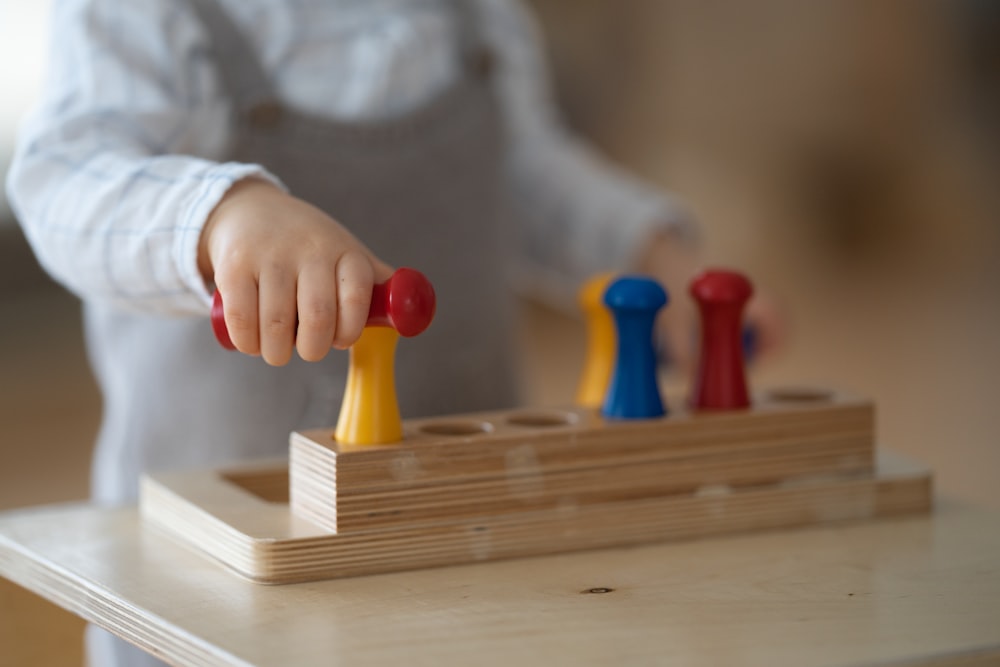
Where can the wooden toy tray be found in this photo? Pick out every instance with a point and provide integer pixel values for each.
(498, 485)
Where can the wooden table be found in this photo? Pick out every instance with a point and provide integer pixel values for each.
(918, 591)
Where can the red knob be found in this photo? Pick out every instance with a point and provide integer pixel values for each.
(405, 302)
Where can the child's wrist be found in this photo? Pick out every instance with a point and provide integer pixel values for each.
(240, 190)
(664, 250)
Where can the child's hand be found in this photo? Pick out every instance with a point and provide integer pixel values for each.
(290, 275)
(674, 262)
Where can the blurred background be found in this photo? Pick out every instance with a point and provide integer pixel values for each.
(844, 153)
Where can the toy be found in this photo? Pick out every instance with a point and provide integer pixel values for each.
(599, 360)
(634, 392)
(402, 306)
(504, 484)
(720, 383)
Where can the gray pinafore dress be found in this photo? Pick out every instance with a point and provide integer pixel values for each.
(424, 190)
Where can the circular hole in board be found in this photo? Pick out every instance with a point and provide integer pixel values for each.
(799, 395)
(542, 419)
(457, 428)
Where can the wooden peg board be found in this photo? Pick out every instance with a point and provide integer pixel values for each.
(504, 462)
(507, 484)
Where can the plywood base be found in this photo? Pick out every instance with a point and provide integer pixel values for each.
(487, 486)
(242, 518)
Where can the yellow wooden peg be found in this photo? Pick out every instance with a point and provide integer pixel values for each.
(601, 342)
(369, 413)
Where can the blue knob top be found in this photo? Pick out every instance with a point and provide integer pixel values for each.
(635, 293)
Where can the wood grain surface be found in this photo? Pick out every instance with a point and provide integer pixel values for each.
(917, 591)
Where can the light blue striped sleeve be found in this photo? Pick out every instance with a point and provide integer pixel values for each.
(115, 172)
(576, 213)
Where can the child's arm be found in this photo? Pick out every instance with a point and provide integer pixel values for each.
(579, 214)
(117, 174)
(109, 213)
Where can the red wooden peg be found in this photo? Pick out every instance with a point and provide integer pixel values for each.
(406, 303)
(721, 382)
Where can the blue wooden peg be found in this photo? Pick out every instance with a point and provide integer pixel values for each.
(634, 392)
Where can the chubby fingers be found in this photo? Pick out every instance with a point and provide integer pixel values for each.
(333, 303)
(678, 327)
(770, 323)
(320, 307)
(277, 315)
(316, 299)
(240, 312)
(355, 279)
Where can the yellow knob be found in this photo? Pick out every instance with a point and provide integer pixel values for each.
(601, 342)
